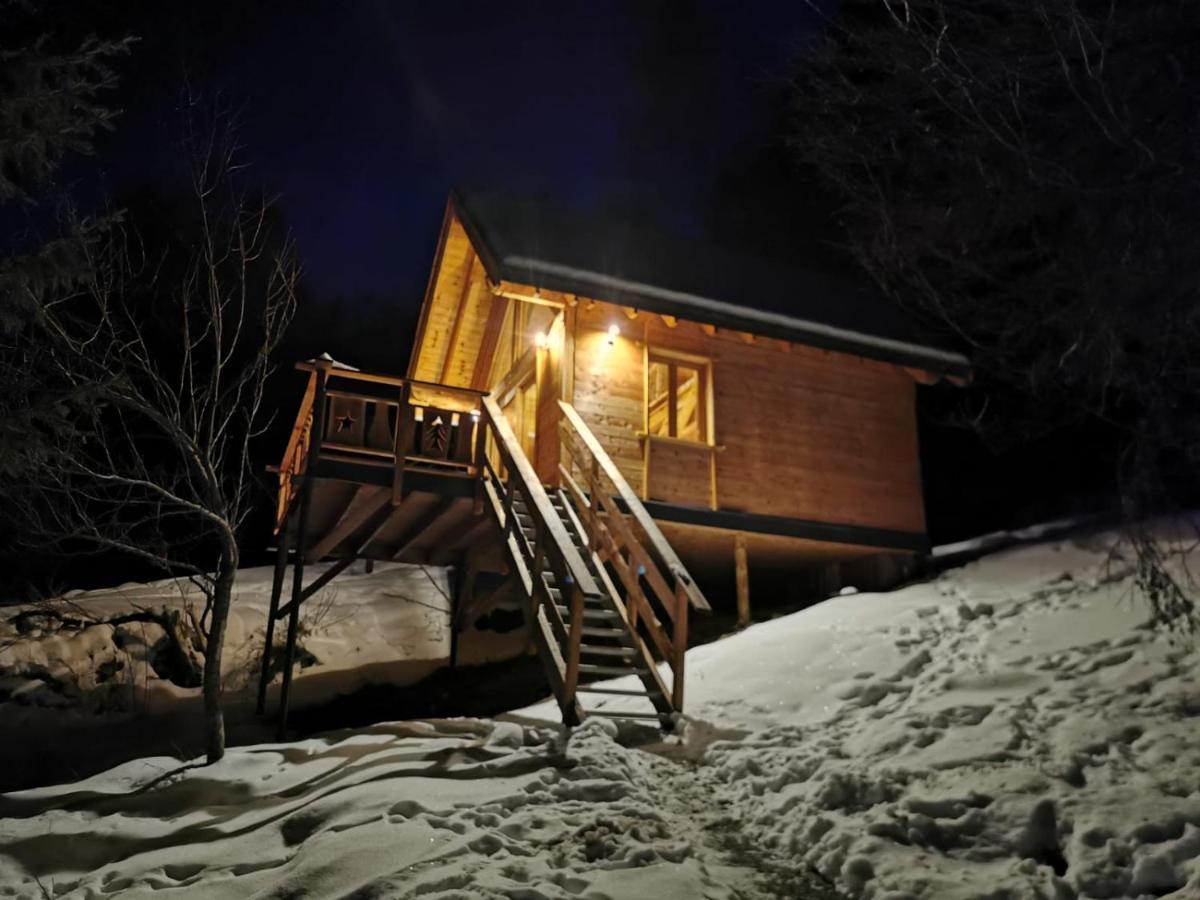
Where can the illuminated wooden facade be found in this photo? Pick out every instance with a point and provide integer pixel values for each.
(591, 424)
(724, 422)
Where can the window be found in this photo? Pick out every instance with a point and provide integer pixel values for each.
(677, 398)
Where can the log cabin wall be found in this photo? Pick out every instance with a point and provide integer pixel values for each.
(806, 433)
(803, 433)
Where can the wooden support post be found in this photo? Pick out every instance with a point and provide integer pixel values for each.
(456, 578)
(712, 478)
(289, 647)
(742, 572)
(464, 597)
(480, 459)
(574, 639)
(264, 676)
(310, 474)
(679, 645)
(405, 419)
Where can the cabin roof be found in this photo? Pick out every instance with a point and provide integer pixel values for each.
(530, 240)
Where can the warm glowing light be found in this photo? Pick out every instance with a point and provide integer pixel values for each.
(474, 415)
(540, 339)
(613, 332)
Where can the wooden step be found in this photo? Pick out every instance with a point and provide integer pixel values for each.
(530, 533)
(616, 692)
(588, 613)
(588, 602)
(597, 650)
(616, 633)
(613, 714)
(601, 669)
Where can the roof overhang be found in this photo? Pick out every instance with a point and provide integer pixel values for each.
(708, 310)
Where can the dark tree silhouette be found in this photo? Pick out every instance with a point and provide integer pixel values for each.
(52, 91)
(1027, 174)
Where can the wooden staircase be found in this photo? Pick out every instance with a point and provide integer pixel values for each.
(398, 470)
(600, 603)
(608, 648)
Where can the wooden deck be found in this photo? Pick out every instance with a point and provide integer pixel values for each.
(385, 468)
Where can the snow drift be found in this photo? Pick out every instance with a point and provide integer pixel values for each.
(1011, 729)
(90, 678)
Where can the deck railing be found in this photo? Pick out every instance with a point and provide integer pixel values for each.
(404, 425)
(379, 420)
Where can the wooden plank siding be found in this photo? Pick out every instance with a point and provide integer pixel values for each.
(802, 432)
(806, 433)
(455, 315)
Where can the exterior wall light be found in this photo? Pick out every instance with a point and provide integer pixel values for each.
(539, 340)
(614, 332)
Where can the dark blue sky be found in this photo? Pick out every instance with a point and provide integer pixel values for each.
(363, 115)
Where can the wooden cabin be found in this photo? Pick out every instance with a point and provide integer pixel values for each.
(603, 420)
(757, 412)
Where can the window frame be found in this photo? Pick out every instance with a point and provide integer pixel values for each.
(673, 359)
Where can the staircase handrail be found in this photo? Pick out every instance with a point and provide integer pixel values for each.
(537, 499)
(637, 510)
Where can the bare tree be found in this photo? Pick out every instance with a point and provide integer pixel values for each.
(1027, 174)
(174, 357)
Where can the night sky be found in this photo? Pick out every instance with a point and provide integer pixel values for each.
(363, 115)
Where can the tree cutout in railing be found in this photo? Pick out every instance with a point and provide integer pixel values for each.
(435, 434)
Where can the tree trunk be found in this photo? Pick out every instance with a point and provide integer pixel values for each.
(214, 721)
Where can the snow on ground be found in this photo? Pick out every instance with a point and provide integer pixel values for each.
(972, 736)
(387, 626)
(460, 808)
(1010, 729)
(361, 628)
(82, 693)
